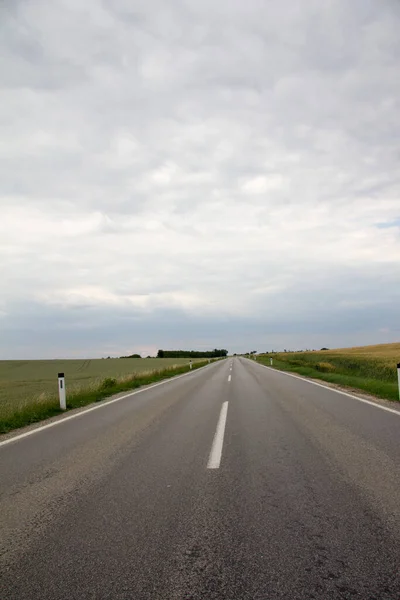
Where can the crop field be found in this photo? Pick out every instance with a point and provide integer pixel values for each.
(30, 387)
(390, 353)
(21, 379)
(368, 368)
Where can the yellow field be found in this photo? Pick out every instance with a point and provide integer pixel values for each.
(389, 354)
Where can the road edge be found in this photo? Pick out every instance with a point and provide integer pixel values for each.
(375, 403)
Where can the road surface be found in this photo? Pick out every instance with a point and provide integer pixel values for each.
(232, 482)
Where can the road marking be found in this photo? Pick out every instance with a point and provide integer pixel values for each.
(216, 449)
(96, 407)
(326, 387)
(230, 377)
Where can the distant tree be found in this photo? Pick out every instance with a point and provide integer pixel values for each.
(324, 348)
(216, 353)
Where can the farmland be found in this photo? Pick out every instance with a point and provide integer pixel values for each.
(28, 389)
(368, 368)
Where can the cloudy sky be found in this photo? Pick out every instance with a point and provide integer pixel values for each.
(185, 173)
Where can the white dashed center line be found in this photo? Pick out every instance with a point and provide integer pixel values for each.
(216, 449)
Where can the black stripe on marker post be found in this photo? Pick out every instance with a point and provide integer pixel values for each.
(398, 376)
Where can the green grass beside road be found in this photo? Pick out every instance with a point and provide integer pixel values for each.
(29, 389)
(374, 373)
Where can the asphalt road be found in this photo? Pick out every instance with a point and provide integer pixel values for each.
(222, 484)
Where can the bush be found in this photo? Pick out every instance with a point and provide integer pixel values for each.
(108, 383)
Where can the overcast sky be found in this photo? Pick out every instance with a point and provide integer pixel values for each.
(186, 173)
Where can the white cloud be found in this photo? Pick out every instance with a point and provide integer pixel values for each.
(262, 184)
(207, 159)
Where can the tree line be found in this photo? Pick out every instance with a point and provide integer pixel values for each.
(216, 353)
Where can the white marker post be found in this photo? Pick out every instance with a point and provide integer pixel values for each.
(270, 361)
(61, 391)
(398, 376)
(190, 362)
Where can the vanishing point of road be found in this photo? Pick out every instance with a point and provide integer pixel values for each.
(232, 482)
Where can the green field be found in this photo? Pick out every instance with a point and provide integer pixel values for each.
(21, 379)
(29, 388)
(368, 368)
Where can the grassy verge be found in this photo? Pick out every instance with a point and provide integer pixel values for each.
(45, 406)
(373, 377)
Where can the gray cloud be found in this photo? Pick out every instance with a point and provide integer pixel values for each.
(230, 168)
